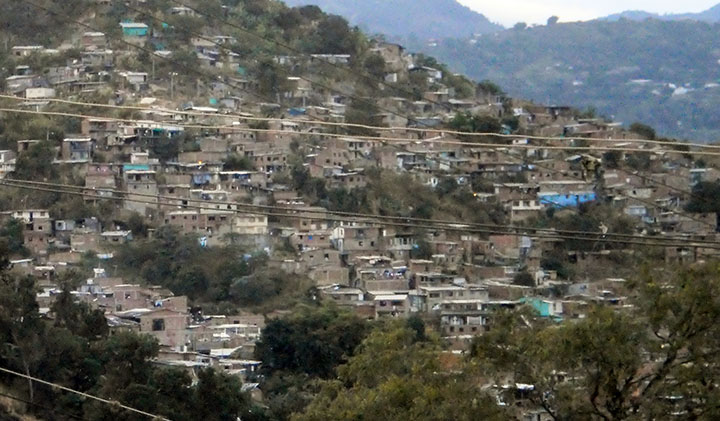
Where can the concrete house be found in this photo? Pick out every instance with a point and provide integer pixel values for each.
(135, 32)
(38, 228)
(77, 149)
(168, 326)
(139, 183)
(7, 163)
(93, 40)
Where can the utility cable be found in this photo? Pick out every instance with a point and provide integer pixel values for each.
(83, 394)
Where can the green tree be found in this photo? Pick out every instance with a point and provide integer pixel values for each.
(705, 198)
(395, 377)
(466, 122)
(421, 250)
(616, 365)
(12, 233)
(490, 88)
(611, 159)
(137, 224)
(37, 163)
(524, 279)
(375, 66)
(311, 341)
(237, 163)
(271, 77)
(78, 318)
(643, 130)
(22, 332)
(336, 36)
(218, 396)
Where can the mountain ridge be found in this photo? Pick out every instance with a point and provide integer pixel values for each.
(710, 15)
(424, 19)
(665, 74)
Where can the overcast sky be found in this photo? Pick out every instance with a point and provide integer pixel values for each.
(509, 12)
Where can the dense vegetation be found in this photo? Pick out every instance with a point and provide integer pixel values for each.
(396, 194)
(594, 63)
(322, 363)
(74, 349)
(218, 278)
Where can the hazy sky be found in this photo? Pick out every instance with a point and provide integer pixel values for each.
(509, 12)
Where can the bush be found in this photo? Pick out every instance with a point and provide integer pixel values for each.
(524, 279)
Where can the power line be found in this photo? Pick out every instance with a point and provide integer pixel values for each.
(497, 148)
(374, 128)
(202, 74)
(460, 228)
(83, 394)
(457, 227)
(349, 138)
(661, 183)
(194, 70)
(224, 47)
(54, 411)
(365, 138)
(370, 218)
(245, 30)
(187, 68)
(366, 76)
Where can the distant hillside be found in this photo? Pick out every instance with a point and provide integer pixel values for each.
(663, 73)
(711, 15)
(421, 19)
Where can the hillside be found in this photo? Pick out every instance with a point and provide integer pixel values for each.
(662, 73)
(710, 15)
(421, 19)
(235, 210)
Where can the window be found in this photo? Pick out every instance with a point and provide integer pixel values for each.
(158, 325)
